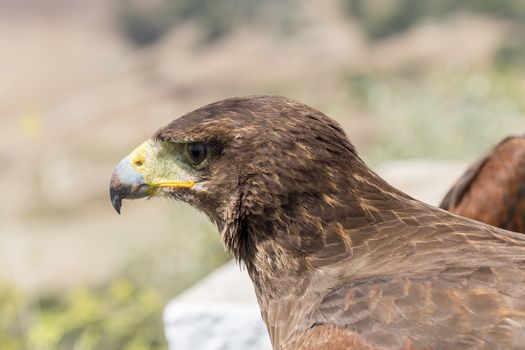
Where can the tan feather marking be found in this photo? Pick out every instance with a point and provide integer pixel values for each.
(461, 317)
(331, 201)
(368, 208)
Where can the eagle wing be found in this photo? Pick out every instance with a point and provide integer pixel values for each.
(438, 312)
(465, 291)
(492, 190)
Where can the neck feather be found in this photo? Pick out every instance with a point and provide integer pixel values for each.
(283, 245)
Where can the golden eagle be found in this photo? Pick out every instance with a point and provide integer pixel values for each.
(492, 190)
(339, 259)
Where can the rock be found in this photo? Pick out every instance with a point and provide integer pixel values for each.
(218, 313)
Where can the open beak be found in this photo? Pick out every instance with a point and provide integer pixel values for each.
(143, 172)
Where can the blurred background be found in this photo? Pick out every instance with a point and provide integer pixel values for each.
(84, 82)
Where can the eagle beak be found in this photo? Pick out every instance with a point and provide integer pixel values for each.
(144, 172)
(126, 182)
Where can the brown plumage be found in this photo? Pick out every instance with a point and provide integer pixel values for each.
(339, 259)
(492, 190)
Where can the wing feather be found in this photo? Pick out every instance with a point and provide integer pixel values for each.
(492, 190)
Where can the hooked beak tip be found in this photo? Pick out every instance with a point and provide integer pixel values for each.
(116, 199)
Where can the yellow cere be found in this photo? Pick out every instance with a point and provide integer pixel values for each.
(160, 165)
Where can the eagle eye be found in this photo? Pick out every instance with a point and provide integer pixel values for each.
(196, 153)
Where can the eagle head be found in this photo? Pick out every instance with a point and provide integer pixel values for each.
(240, 160)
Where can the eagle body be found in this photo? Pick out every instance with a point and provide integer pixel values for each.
(339, 259)
(492, 190)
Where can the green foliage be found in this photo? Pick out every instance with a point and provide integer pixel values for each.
(123, 315)
(381, 18)
(144, 24)
(380, 22)
(448, 114)
(126, 312)
(216, 17)
(512, 54)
